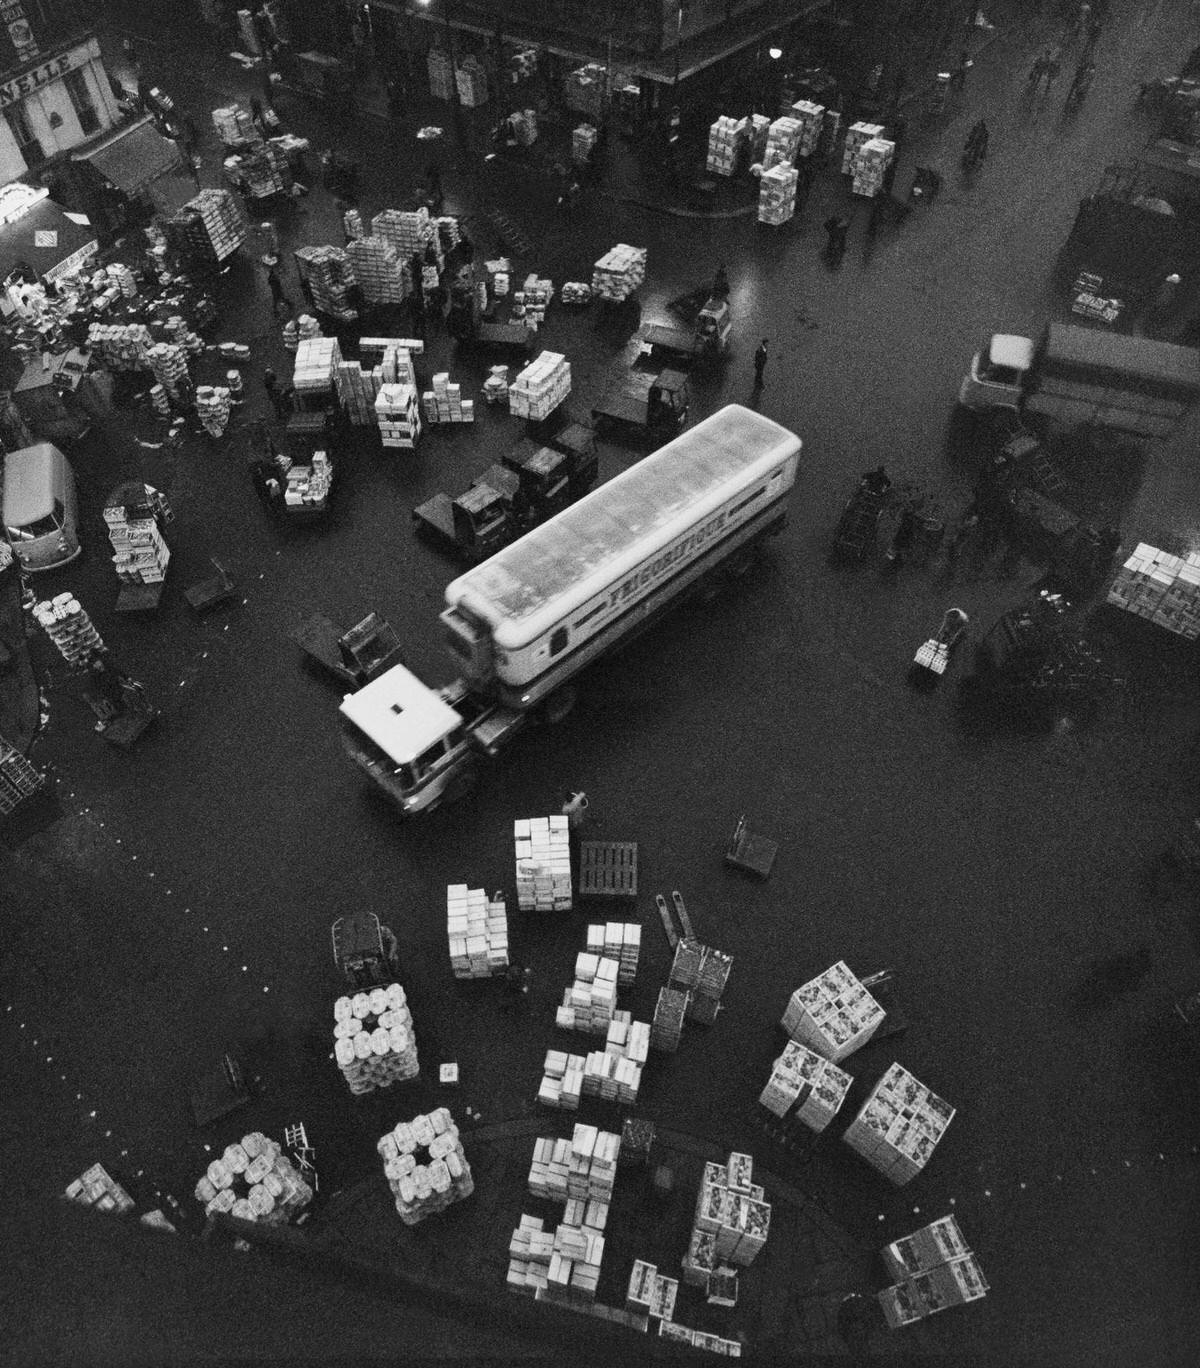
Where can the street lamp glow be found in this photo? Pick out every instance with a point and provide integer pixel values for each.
(774, 53)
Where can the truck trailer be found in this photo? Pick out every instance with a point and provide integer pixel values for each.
(521, 625)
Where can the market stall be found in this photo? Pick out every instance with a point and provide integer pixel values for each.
(134, 159)
(39, 240)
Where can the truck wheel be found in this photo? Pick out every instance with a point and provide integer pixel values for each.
(558, 705)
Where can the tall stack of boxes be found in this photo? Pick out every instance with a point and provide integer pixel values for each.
(532, 300)
(214, 403)
(856, 135)
(783, 141)
(810, 117)
(381, 274)
(263, 169)
(870, 166)
(540, 387)
(732, 1210)
(69, 628)
(543, 855)
(702, 973)
(234, 125)
(832, 1014)
(934, 1268)
(408, 233)
(477, 929)
(168, 364)
(562, 1265)
(1164, 588)
(777, 194)
(255, 1181)
(471, 79)
(398, 413)
(650, 1293)
(374, 1040)
(621, 941)
(583, 141)
(666, 1030)
(619, 272)
(358, 389)
(588, 1005)
(315, 370)
(444, 402)
(583, 1168)
(613, 1074)
(441, 75)
(214, 224)
(725, 140)
(899, 1126)
(140, 553)
(583, 90)
(330, 277)
(425, 1165)
(805, 1086)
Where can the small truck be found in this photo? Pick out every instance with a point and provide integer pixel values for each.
(709, 338)
(531, 484)
(649, 407)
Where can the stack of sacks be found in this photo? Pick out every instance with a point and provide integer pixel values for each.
(374, 1041)
(382, 274)
(178, 331)
(731, 1209)
(444, 402)
(254, 1181)
(543, 863)
(425, 1166)
(666, 1030)
(806, 1086)
(621, 941)
(477, 931)
(214, 404)
(619, 272)
(588, 1005)
(95, 1188)
(330, 278)
(541, 387)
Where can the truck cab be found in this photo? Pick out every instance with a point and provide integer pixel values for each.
(998, 372)
(484, 516)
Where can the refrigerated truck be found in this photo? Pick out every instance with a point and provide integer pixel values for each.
(521, 625)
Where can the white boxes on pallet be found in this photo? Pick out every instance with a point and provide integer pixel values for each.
(477, 930)
(315, 368)
(398, 414)
(621, 941)
(1161, 587)
(563, 1263)
(783, 141)
(777, 194)
(619, 272)
(731, 1211)
(613, 1074)
(543, 856)
(833, 1013)
(444, 402)
(540, 387)
(588, 1005)
(869, 169)
(805, 1085)
(583, 1167)
(140, 553)
(725, 139)
(95, 1187)
(856, 135)
(234, 124)
(374, 1040)
(936, 1243)
(254, 1181)
(899, 1125)
(811, 118)
(408, 232)
(425, 1165)
(382, 274)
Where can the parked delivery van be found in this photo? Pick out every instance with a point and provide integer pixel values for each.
(41, 511)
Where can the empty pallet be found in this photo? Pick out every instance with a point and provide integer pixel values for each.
(608, 869)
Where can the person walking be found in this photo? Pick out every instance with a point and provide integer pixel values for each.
(433, 178)
(278, 293)
(271, 385)
(976, 148)
(760, 363)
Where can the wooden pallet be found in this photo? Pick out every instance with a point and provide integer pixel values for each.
(664, 913)
(608, 869)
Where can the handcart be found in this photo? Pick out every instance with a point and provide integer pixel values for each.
(746, 851)
(930, 662)
(365, 950)
(858, 526)
(212, 592)
(355, 656)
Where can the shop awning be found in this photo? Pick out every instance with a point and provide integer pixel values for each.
(132, 157)
(46, 241)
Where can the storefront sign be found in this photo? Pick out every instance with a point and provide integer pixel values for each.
(19, 87)
(12, 15)
(17, 198)
(74, 261)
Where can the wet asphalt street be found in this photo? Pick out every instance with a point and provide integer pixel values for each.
(183, 900)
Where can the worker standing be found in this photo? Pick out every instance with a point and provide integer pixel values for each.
(760, 363)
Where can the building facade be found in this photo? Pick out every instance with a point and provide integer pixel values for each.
(54, 90)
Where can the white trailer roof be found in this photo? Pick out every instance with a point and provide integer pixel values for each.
(560, 565)
(400, 714)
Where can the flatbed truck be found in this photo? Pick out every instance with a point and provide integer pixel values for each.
(523, 624)
(644, 405)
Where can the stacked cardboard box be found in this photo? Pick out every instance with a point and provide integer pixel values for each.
(831, 125)
(315, 369)
(731, 1209)
(619, 272)
(588, 1005)
(306, 327)
(214, 403)
(263, 169)
(356, 391)
(123, 278)
(310, 485)
(583, 140)
(168, 364)
(375, 1044)
(856, 135)
(1164, 588)
(540, 387)
(525, 125)
(783, 141)
(811, 118)
(614, 1073)
(935, 1269)
(408, 233)
(700, 1339)
(725, 140)
(650, 1293)
(140, 553)
(757, 132)
(543, 856)
(330, 278)
(254, 1181)
(119, 346)
(532, 300)
(477, 929)
(621, 941)
(449, 232)
(777, 194)
(95, 1187)
(870, 166)
(805, 1085)
(381, 273)
(702, 972)
(398, 413)
(425, 1166)
(578, 1243)
(583, 1167)
(444, 402)
(495, 387)
(899, 1126)
(441, 75)
(576, 292)
(666, 1029)
(234, 125)
(248, 33)
(19, 780)
(223, 223)
(700, 1261)
(832, 1014)
(352, 226)
(471, 79)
